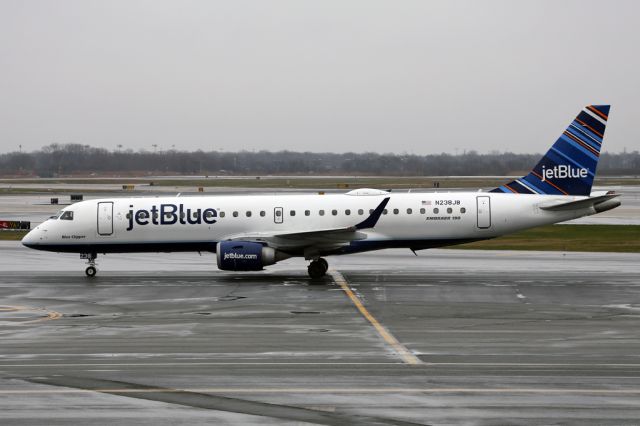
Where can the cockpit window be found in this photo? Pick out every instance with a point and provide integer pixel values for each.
(67, 215)
(56, 216)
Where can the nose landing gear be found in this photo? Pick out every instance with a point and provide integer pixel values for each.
(91, 270)
(318, 268)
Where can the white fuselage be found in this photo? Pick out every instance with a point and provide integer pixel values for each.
(413, 220)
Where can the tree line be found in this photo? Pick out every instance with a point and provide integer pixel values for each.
(75, 159)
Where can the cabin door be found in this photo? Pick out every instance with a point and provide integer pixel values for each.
(484, 212)
(105, 218)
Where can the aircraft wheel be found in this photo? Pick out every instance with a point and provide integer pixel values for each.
(91, 271)
(324, 263)
(316, 270)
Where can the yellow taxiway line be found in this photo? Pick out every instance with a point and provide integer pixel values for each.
(400, 349)
(48, 315)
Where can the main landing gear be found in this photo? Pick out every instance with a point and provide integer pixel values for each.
(317, 268)
(91, 270)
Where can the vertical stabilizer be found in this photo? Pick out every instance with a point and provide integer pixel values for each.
(569, 167)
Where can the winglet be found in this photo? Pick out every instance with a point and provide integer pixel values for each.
(371, 221)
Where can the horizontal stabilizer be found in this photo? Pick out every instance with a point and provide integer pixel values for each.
(594, 202)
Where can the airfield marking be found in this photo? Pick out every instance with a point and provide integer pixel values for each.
(49, 315)
(398, 347)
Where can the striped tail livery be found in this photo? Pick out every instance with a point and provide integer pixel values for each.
(569, 167)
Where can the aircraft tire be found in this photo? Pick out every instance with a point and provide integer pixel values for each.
(91, 271)
(324, 263)
(316, 270)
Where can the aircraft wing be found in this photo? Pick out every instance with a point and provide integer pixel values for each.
(321, 238)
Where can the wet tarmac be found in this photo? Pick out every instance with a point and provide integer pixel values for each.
(449, 337)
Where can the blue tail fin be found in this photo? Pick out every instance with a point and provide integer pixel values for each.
(569, 167)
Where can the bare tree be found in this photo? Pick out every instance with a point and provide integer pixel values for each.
(66, 159)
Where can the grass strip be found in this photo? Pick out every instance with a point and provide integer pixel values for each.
(586, 238)
(10, 235)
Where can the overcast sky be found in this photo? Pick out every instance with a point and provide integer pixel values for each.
(387, 76)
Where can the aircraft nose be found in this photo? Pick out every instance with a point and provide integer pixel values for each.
(31, 239)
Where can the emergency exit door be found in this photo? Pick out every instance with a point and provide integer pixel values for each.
(105, 218)
(278, 215)
(484, 212)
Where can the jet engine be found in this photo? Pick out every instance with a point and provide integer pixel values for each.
(246, 256)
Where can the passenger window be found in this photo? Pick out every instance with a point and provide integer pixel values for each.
(292, 213)
(321, 212)
(68, 215)
(436, 210)
(235, 214)
(347, 212)
(384, 211)
(396, 211)
(307, 212)
(128, 215)
(262, 213)
(449, 210)
(248, 213)
(209, 214)
(278, 213)
(334, 212)
(463, 210)
(370, 211)
(360, 212)
(409, 211)
(221, 214)
(422, 211)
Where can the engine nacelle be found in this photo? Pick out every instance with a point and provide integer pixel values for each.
(246, 256)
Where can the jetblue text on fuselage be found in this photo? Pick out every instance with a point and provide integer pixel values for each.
(170, 214)
(562, 171)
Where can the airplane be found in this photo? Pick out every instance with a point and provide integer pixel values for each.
(249, 232)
